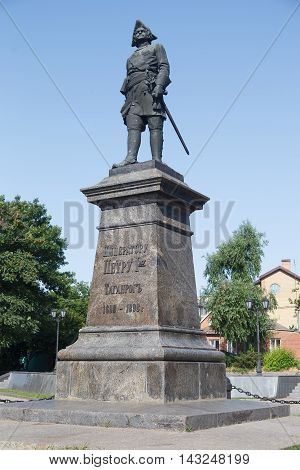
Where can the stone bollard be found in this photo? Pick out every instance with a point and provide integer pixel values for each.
(229, 388)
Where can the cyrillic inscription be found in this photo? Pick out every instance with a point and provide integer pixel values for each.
(123, 289)
(123, 267)
(138, 249)
(114, 265)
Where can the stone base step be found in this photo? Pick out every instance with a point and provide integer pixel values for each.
(181, 416)
(4, 379)
(295, 393)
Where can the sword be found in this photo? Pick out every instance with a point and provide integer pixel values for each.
(174, 125)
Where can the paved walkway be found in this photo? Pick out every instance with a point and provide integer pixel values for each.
(8, 397)
(270, 434)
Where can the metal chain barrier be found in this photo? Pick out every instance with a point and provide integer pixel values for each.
(240, 390)
(6, 400)
(273, 400)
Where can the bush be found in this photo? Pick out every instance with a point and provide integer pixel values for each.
(229, 358)
(243, 361)
(246, 360)
(279, 359)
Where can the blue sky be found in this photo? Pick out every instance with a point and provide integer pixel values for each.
(213, 47)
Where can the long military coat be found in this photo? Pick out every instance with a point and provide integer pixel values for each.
(146, 67)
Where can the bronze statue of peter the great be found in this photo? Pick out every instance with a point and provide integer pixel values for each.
(147, 78)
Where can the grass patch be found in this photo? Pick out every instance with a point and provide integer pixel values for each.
(239, 370)
(189, 429)
(4, 445)
(9, 392)
(295, 447)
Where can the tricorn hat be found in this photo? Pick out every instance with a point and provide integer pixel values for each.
(140, 24)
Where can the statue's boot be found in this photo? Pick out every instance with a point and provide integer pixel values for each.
(156, 144)
(133, 145)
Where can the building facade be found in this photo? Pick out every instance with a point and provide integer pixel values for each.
(283, 283)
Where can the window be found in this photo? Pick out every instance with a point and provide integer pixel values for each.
(229, 347)
(215, 343)
(274, 343)
(274, 288)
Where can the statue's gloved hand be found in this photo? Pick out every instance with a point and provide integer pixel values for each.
(158, 91)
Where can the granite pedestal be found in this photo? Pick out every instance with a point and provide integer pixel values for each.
(141, 361)
(142, 340)
(183, 416)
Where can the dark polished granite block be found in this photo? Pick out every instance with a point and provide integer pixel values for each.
(146, 166)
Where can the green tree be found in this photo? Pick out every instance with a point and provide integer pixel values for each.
(31, 280)
(231, 273)
(296, 303)
(75, 303)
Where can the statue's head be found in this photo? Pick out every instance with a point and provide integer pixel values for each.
(141, 33)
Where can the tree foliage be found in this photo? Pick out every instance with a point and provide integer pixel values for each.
(296, 300)
(231, 273)
(31, 280)
(75, 303)
(237, 259)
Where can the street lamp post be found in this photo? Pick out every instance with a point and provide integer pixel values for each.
(202, 310)
(57, 316)
(250, 305)
(298, 319)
